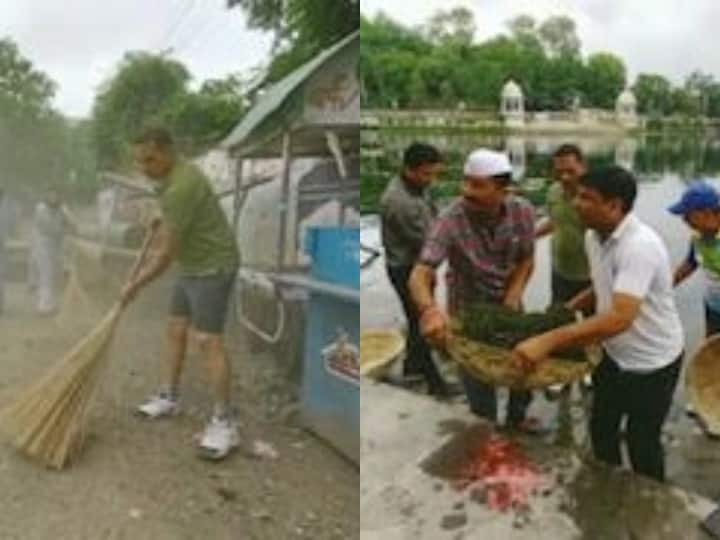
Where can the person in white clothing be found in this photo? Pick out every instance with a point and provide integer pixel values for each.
(636, 322)
(8, 218)
(51, 220)
(106, 200)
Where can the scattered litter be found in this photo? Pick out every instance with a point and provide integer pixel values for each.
(261, 449)
(262, 515)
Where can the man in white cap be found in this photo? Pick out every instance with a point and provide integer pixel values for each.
(487, 237)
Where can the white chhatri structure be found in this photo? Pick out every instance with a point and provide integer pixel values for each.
(512, 104)
(626, 108)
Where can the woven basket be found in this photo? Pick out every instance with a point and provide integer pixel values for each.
(379, 349)
(493, 365)
(703, 382)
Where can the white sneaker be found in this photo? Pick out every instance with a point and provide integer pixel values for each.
(219, 438)
(159, 406)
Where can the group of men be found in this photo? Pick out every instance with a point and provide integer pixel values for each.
(606, 263)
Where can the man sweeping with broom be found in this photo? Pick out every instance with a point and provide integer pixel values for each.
(194, 232)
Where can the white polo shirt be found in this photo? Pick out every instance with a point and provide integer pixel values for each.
(634, 261)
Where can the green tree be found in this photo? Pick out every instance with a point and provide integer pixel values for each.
(653, 93)
(301, 28)
(559, 35)
(605, 79)
(82, 177)
(397, 61)
(396, 70)
(136, 96)
(265, 14)
(417, 91)
(150, 89)
(523, 29)
(436, 71)
(24, 91)
(389, 54)
(702, 87)
(488, 67)
(558, 84)
(712, 100)
(522, 25)
(684, 102)
(202, 118)
(455, 27)
(33, 137)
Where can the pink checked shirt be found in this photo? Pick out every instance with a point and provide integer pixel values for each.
(481, 256)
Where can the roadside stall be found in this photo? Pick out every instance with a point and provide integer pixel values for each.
(295, 210)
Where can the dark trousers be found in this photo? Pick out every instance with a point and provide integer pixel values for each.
(482, 399)
(712, 321)
(645, 399)
(564, 290)
(418, 354)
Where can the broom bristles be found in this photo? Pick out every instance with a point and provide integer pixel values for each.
(49, 420)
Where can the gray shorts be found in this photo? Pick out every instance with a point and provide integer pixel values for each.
(204, 300)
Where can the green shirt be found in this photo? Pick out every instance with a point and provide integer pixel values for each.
(206, 243)
(568, 239)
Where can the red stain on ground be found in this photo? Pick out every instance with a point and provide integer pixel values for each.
(505, 471)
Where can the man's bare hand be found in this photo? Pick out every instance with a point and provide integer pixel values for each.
(434, 326)
(528, 354)
(513, 301)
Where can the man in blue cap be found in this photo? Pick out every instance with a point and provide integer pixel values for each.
(699, 206)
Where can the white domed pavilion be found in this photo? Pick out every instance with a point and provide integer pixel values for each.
(512, 104)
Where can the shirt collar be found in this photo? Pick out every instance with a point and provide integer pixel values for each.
(483, 218)
(411, 187)
(627, 223)
(697, 236)
(162, 187)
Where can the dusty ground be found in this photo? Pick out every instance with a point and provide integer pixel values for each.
(140, 480)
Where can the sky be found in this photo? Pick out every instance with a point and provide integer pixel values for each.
(670, 37)
(78, 43)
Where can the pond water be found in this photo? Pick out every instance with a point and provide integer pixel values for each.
(662, 165)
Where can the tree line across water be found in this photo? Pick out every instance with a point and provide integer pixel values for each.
(440, 64)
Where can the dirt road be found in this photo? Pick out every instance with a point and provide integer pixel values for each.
(140, 480)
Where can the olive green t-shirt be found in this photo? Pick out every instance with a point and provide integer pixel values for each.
(206, 243)
(568, 240)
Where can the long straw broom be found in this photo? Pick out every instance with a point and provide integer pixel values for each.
(49, 421)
